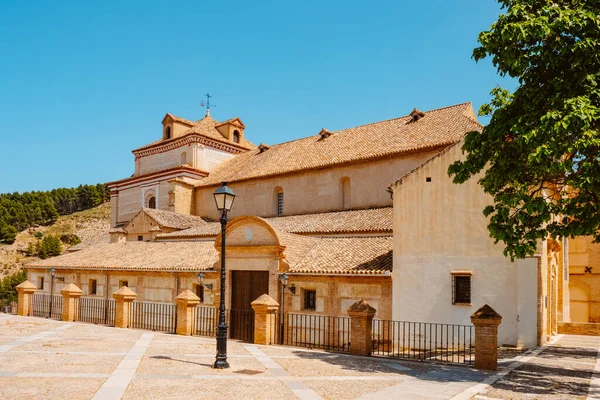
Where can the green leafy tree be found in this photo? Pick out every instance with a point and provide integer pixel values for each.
(8, 284)
(50, 246)
(540, 152)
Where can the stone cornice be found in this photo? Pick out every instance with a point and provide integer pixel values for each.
(185, 140)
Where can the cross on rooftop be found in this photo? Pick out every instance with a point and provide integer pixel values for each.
(207, 104)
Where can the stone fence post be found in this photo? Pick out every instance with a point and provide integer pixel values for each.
(486, 322)
(361, 328)
(123, 299)
(70, 293)
(265, 317)
(186, 306)
(25, 290)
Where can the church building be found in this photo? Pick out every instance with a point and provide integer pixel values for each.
(367, 212)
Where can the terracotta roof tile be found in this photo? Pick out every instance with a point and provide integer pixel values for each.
(338, 222)
(348, 255)
(169, 219)
(138, 256)
(437, 128)
(354, 255)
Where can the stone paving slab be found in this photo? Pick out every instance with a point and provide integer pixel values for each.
(17, 388)
(562, 370)
(47, 359)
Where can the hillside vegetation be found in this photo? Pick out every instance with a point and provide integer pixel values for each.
(89, 227)
(19, 211)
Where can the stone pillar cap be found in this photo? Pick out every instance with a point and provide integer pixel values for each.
(361, 306)
(26, 287)
(265, 300)
(187, 295)
(72, 289)
(486, 312)
(125, 293)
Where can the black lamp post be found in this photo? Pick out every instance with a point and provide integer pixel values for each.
(224, 199)
(284, 280)
(52, 274)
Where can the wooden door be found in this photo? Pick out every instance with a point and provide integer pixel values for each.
(246, 286)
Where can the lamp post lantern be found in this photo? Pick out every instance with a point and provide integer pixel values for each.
(224, 200)
(200, 278)
(52, 274)
(284, 280)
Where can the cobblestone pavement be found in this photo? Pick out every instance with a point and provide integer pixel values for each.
(46, 359)
(566, 369)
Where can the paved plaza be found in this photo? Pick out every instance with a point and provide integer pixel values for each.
(41, 358)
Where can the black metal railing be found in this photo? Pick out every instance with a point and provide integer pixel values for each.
(241, 325)
(153, 316)
(96, 310)
(316, 332)
(424, 341)
(44, 305)
(205, 321)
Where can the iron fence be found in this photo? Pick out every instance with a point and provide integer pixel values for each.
(153, 316)
(316, 331)
(96, 310)
(205, 321)
(45, 305)
(424, 341)
(241, 325)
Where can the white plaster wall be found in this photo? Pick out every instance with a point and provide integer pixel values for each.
(527, 278)
(439, 227)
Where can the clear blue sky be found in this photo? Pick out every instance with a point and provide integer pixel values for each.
(82, 83)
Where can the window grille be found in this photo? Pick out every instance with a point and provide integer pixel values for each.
(279, 204)
(123, 283)
(140, 238)
(152, 202)
(40, 282)
(461, 289)
(310, 299)
(199, 289)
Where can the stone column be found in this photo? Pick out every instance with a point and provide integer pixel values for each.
(123, 299)
(70, 293)
(361, 328)
(25, 290)
(265, 312)
(486, 322)
(186, 306)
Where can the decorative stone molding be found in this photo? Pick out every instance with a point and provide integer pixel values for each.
(265, 317)
(361, 328)
(189, 139)
(25, 290)
(486, 322)
(71, 293)
(123, 299)
(186, 306)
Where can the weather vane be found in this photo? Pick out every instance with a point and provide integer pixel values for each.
(207, 103)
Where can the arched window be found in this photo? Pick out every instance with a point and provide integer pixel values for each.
(345, 191)
(183, 158)
(236, 136)
(167, 132)
(152, 202)
(279, 200)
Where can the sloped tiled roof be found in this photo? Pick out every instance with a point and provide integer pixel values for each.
(355, 255)
(338, 222)
(352, 255)
(169, 219)
(437, 128)
(205, 127)
(138, 256)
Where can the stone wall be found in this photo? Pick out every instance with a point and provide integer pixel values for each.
(579, 328)
(316, 190)
(584, 279)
